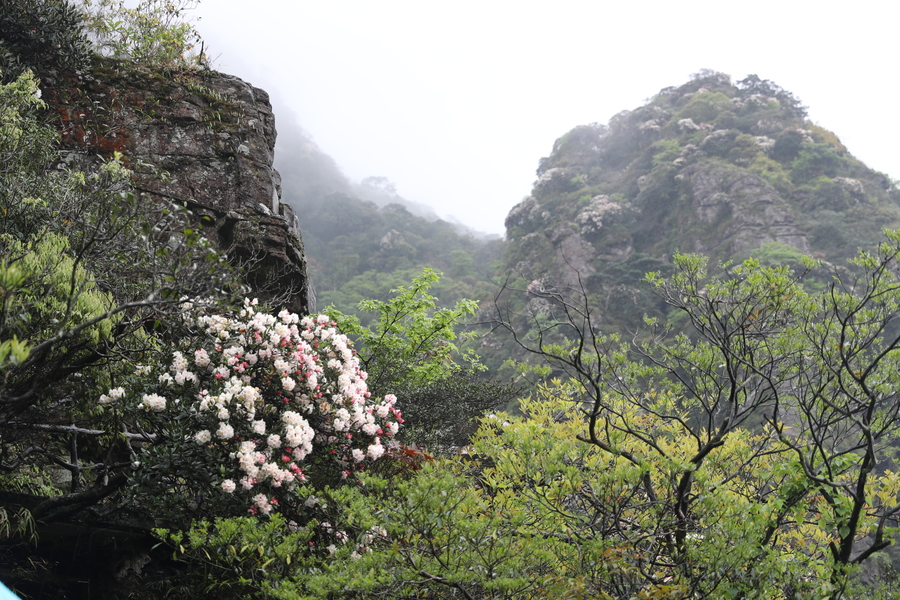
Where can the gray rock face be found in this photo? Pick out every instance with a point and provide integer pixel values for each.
(752, 211)
(213, 136)
(574, 255)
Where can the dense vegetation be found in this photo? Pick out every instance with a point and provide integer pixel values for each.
(741, 446)
(363, 240)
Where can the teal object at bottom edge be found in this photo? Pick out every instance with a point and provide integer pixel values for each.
(6, 594)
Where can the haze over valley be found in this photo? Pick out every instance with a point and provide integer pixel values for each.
(455, 103)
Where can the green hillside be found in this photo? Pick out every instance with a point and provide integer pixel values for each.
(363, 240)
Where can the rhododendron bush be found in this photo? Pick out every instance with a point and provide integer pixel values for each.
(272, 400)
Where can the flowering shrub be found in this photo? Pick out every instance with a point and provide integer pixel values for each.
(270, 398)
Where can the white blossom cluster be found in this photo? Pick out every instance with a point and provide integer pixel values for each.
(591, 218)
(266, 392)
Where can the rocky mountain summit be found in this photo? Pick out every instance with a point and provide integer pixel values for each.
(715, 167)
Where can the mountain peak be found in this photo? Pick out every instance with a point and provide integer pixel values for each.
(723, 168)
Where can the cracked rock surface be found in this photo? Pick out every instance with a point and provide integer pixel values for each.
(212, 138)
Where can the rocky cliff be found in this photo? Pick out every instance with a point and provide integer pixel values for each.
(720, 168)
(205, 141)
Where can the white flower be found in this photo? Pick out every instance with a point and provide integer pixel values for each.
(153, 402)
(114, 394)
(262, 503)
(380, 531)
(358, 455)
(225, 431)
(182, 377)
(249, 395)
(179, 362)
(202, 437)
(274, 441)
(228, 486)
(258, 427)
(201, 358)
(282, 330)
(375, 451)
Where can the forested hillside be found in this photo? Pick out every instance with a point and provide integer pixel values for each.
(363, 239)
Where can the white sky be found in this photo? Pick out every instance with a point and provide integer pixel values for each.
(456, 102)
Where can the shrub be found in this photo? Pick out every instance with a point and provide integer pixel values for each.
(705, 106)
(815, 160)
(155, 32)
(254, 406)
(41, 35)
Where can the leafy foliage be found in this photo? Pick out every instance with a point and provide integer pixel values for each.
(412, 341)
(442, 414)
(532, 512)
(812, 373)
(154, 32)
(411, 351)
(41, 35)
(90, 272)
